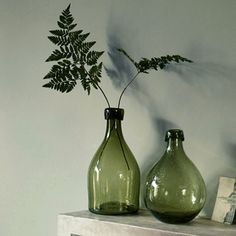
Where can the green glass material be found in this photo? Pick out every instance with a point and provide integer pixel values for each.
(175, 191)
(113, 176)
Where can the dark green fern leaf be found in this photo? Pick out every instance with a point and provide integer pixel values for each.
(84, 79)
(62, 86)
(72, 26)
(178, 58)
(92, 57)
(65, 63)
(86, 85)
(96, 70)
(82, 72)
(61, 25)
(58, 32)
(61, 79)
(155, 63)
(95, 74)
(79, 39)
(144, 65)
(52, 73)
(58, 55)
(85, 47)
(49, 75)
(73, 35)
(66, 18)
(59, 40)
(75, 72)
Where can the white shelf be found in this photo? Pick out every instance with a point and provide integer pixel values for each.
(84, 223)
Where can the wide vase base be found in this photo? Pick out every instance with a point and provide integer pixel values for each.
(175, 218)
(114, 208)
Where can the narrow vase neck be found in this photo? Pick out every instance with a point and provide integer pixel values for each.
(113, 127)
(175, 145)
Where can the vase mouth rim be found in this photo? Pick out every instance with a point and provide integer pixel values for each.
(174, 134)
(114, 113)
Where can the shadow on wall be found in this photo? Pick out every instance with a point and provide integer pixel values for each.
(231, 151)
(206, 77)
(121, 71)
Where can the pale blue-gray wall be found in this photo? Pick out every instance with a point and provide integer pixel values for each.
(47, 139)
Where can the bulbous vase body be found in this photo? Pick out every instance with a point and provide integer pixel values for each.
(113, 176)
(175, 191)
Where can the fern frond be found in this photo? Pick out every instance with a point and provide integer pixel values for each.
(144, 65)
(75, 72)
(95, 74)
(58, 32)
(59, 40)
(58, 55)
(61, 79)
(158, 62)
(85, 47)
(84, 79)
(92, 57)
(73, 35)
(65, 63)
(96, 70)
(72, 26)
(75, 60)
(61, 25)
(52, 73)
(79, 39)
(60, 85)
(66, 17)
(86, 84)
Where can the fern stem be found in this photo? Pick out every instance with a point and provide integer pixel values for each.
(131, 81)
(99, 87)
(123, 151)
(104, 95)
(126, 54)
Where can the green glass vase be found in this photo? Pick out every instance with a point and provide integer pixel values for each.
(113, 176)
(175, 191)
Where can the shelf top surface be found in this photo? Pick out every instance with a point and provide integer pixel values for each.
(144, 219)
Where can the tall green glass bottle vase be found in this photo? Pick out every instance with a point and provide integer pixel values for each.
(113, 176)
(175, 191)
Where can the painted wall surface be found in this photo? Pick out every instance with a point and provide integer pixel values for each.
(47, 139)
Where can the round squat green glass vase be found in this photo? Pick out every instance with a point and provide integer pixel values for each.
(175, 191)
(113, 176)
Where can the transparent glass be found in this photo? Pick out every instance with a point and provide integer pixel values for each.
(113, 176)
(175, 191)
